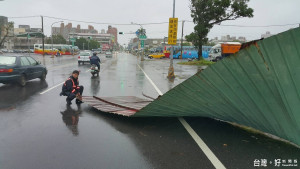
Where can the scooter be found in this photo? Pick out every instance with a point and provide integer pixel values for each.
(94, 70)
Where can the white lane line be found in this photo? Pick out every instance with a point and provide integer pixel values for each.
(156, 88)
(51, 88)
(210, 155)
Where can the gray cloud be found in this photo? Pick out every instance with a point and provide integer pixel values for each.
(266, 12)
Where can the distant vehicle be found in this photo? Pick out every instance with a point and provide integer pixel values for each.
(4, 51)
(222, 50)
(108, 54)
(98, 51)
(188, 52)
(19, 69)
(156, 56)
(64, 49)
(84, 56)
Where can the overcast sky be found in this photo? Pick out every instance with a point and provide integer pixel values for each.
(266, 12)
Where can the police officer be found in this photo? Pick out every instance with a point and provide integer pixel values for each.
(95, 60)
(72, 89)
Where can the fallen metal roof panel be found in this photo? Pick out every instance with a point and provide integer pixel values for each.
(258, 87)
(122, 105)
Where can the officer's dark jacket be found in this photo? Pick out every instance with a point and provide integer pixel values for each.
(95, 60)
(70, 86)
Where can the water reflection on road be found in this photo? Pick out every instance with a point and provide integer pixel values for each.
(70, 117)
(20, 94)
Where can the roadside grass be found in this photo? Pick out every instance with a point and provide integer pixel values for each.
(197, 62)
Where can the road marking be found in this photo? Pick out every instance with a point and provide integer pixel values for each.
(209, 154)
(51, 88)
(156, 88)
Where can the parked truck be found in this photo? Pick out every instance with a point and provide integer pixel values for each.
(222, 50)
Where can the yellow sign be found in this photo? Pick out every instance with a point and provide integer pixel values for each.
(172, 36)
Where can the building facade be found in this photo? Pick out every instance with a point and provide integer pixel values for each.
(266, 35)
(66, 30)
(113, 31)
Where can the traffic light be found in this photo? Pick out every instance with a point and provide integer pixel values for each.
(121, 33)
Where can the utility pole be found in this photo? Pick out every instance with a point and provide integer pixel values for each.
(28, 44)
(143, 33)
(43, 40)
(181, 39)
(52, 38)
(171, 68)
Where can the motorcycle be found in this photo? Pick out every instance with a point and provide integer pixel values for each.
(94, 70)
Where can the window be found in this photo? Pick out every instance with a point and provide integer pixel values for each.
(6, 60)
(32, 61)
(24, 61)
(84, 54)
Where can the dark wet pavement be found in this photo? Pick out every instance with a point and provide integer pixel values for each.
(41, 131)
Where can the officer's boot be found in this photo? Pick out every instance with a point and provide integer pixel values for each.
(78, 101)
(68, 101)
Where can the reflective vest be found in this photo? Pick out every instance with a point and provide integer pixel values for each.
(74, 86)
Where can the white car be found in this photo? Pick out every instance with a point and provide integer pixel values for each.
(108, 54)
(84, 56)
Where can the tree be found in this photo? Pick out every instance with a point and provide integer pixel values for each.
(57, 39)
(206, 13)
(210, 44)
(81, 43)
(94, 44)
(186, 44)
(4, 31)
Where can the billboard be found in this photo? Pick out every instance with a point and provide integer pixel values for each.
(105, 47)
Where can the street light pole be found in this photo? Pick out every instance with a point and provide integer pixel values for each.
(52, 36)
(140, 41)
(181, 40)
(142, 56)
(171, 68)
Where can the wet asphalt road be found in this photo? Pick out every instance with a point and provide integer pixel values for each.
(40, 131)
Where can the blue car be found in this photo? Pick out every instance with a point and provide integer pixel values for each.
(20, 69)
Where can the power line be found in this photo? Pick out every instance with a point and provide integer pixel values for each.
(258, 26)
(90, 22)
(153, 23)
(25, 17)
(85, 21)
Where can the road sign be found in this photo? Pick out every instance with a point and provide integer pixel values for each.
(142, 37)
(73, 40)
(142, 43)
(172, 38)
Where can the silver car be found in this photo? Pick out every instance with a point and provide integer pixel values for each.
(108, 54)
(84, 56)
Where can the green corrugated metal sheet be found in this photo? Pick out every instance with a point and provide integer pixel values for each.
(257, 87)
